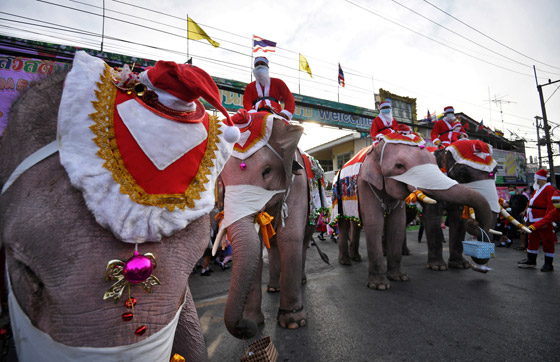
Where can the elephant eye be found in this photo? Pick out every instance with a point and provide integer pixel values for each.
(399, 165)
(266, 171)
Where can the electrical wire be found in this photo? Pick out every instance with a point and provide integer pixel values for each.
(489, 37)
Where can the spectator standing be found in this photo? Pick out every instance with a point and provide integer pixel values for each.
(540, 202)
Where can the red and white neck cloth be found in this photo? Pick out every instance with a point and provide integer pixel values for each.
(144, 175)
(473, 153)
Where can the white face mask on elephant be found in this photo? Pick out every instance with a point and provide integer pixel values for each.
(241, 201)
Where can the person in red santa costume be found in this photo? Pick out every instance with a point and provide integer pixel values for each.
(266, 93)
(447, 130)
(552, 215)
(384, 123)
(543, 231)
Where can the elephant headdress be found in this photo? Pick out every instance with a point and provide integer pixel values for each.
(142, 149)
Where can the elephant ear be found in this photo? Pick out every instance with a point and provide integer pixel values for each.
(284, 139)
(371, 171)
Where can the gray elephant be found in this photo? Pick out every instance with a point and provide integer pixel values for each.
(72, 229)
(266, 177)
(380, 177)
(470, 163)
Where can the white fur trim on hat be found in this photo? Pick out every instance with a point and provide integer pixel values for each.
(261, 59)
(448, 110)
(165, 98)
(385, 104)
(539, 177)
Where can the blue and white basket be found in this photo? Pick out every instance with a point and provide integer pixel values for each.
(479, 249)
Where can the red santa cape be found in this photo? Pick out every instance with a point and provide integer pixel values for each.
(474, 153)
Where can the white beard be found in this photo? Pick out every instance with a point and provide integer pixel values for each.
(387, 118)
(261, 75)
(536, 186)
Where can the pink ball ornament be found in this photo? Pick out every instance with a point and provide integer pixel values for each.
(138, 268)
(243, 166)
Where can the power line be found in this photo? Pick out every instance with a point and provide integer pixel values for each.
(489, 37)
(464, 37)
(434, 40)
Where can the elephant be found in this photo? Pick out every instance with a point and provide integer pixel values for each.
(58, 253)
(265, 176)
(479, 174)
(379, 178)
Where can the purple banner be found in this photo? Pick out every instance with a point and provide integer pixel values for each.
(17, 74)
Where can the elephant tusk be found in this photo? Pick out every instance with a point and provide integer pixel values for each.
(495, 232)
(428, 200)
(218, 240)
(516, 223)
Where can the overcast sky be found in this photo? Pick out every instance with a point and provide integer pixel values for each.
(419, 52)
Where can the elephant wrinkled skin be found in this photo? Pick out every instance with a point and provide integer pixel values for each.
(56, 252)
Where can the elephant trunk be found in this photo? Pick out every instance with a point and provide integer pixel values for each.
(462, 195)
(246, 246)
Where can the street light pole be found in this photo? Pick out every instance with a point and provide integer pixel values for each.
(546, 128)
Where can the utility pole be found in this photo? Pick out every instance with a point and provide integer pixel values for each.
(538, 140)
(546, 128)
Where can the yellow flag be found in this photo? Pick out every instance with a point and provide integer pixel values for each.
(195, 32)
(304, 65)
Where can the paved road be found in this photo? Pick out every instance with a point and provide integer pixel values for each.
(508, 314)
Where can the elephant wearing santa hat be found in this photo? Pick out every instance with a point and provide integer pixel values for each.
(108, 179)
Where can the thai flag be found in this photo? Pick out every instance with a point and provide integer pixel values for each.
(480, 126)
(264, 45)
(340, 76)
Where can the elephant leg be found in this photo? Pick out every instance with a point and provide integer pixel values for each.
(395, 227)
(291, 313)
(253, 309)
(273, 267)
(373, 224)
(189, 339)
(457, 229)
(431, 219)
(405, 250)
(343, 236)
(354, 242)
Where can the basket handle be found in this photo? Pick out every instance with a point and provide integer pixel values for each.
(483, 233)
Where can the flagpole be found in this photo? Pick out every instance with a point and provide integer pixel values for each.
(188, 57)
(338, 91)
(299, 73)
(252, 53)
(103, 28)
(373, 87)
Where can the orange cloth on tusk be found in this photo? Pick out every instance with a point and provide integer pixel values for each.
(267, 231)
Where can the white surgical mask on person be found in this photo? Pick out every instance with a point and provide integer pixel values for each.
(261, 74)
(450, 117)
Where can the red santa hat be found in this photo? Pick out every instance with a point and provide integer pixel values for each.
(448, 109)
(403, 128)
(556, 197)
(179, 86)
(262, 60)
(385, 105)
(541, 174)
